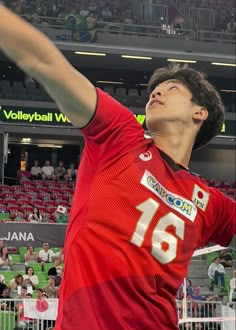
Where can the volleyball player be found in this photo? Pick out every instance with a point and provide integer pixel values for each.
(138, 214)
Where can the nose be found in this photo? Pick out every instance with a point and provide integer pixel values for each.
(154, 93)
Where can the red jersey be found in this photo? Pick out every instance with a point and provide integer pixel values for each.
(137, 218)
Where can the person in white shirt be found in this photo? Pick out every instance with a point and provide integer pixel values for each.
(35, 171)
(45, 255)
(48, 171)
(30, 277)
(232, 285)
(216, 271)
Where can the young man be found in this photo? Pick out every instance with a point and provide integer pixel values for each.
(138, 214)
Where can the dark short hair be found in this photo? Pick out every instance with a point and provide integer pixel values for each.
(27, 268)
(203, 94)
(24, 287)
(39, 289)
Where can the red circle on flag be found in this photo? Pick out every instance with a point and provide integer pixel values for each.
(41, 305)
(200, 194)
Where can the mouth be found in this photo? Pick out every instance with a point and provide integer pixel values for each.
(155, 102)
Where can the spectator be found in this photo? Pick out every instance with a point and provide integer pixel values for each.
(39, 293)
(23, 175)
(2, 283)
(189, 289)
(231, 26)
(60, 171)
(51, 289)
(216, 271)
(60, 255)
(25, 322)
(35, 216)
(232, 285)
(190, 313)
(56, 271)
(48, 172)
(5, 259)
(45, 255)
(15, 282)
(30, 255)
(23, 292)
(31, 277)
(225, 258)
(2, 244)
(36, 171)
(71, 173)
(5, 303)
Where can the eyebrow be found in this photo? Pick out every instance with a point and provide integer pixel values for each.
(174, 81)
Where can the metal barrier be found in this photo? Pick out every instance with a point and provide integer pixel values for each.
(55, 29)
(216, 36)
(154, 13)
(205, 315)
(12, 315)
(202, 17)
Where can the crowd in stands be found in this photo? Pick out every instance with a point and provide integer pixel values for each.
(121, 11)
(222, 280)
(34, 281)
(41, 195)
(47, 172)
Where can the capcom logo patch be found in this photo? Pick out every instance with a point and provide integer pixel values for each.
(176, 202)
(200, 198)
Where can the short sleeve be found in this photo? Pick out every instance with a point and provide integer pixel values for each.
(113, 129)
(224, 221)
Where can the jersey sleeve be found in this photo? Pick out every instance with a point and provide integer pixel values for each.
(224, 221)
(112, 130)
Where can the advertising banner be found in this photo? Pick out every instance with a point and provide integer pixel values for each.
(21, 234)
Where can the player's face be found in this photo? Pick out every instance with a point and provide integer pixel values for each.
(170, 102)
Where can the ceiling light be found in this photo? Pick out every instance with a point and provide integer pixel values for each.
(145, 85)
(48, 145)
(133, 57)
(179, 60)
(26, 140)
(110, 82)
(223, 64)
(228, 90)
(90, 54)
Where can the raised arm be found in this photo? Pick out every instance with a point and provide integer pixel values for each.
(36, 55)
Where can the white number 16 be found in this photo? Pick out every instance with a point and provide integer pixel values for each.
(159, 235)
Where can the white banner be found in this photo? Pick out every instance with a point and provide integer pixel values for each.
(41, 309)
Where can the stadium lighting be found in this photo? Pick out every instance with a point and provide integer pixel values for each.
(223, 64)
(134, 57)
(179, 60)
(90, 54)
(110, 82)
(228, 90)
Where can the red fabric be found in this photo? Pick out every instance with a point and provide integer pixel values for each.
(108, 282)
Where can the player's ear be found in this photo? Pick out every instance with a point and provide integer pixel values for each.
(200, 113)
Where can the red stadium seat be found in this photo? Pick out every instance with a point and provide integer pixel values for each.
(16, 188)
(49, 203)
(39, 183)
(5, 187)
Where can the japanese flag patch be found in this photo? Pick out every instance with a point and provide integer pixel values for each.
(200, 198)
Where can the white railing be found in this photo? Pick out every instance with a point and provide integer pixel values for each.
(12, 315)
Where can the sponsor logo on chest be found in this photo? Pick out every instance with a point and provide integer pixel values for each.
(176, 202)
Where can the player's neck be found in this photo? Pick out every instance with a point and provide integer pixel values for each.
(178, 147)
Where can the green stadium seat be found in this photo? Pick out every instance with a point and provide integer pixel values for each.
(8, 275)
(47, 266)
(16, 258)
(22, 251)
(7, 320)
(36, 266)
